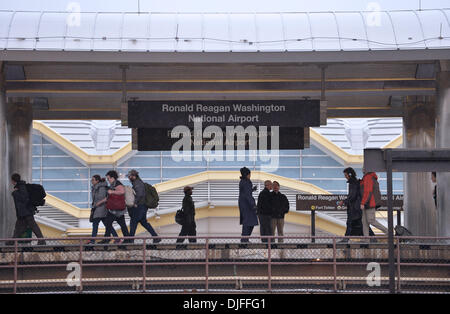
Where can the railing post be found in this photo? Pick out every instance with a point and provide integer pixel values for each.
(81, 266)
(269, 262)
(334, 264)
(398, 266)
(144, 264)
(207, 265)
(15, 266)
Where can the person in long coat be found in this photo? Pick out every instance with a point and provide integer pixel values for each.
(247, 204)
(189, 227)
(352, 202)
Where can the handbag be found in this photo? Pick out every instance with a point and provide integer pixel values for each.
(180, 217)
(91, 217)
(115, 202)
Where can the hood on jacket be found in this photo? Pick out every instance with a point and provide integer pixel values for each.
(372, 174)
(100, 184)
(21, 182)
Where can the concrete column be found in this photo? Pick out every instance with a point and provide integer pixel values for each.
(419, 132)
(7, 212)
(443, 141)
(20, 122)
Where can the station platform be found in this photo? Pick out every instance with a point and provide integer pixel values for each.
(220, 265)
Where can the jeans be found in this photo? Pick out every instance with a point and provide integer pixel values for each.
(265, 226)
(139, 215)
(246, 231)
(110, 218)
(95, 225)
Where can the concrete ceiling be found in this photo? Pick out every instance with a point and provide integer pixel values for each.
(76, 90)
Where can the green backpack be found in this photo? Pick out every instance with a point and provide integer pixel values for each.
(151, 196)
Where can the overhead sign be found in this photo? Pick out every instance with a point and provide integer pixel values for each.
(330, 202)
(222, 113)
(156, 139)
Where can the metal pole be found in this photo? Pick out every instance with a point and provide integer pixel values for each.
(334, 264)
(398, 265)
(313, 225)
(144, 264)
(81, 265)
(388, 159)
(15, 266)
(207, 265)
(269, 260)
(399, 218)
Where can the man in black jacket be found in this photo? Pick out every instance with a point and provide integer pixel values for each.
(280, 204)
(264, 210)
(24, 210)
(189, 226)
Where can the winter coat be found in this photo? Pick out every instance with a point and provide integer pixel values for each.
(99, 192)
(189, 210)
(247, 206)
(353, 201)
(368, 199)
(22, 200)
(280, 204)
(265, 203)
(139, 188)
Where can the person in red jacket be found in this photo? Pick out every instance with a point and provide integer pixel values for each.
(368, 204)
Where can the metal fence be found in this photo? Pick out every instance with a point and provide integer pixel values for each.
(302, 264)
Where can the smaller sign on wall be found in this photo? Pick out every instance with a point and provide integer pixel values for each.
(330, 202)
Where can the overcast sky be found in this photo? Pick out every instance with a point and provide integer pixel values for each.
(221, 5)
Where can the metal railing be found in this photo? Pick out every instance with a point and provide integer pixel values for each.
(265, 264)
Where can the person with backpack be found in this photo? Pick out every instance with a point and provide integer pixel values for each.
(115, 204)
(371, 199)
(138, 211)
(247, 204)
(280, 205)
(25, 210)
(353, 204)
(98, 209)
(188, 227)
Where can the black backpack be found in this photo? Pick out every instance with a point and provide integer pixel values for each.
(36, 194)
(180, 217)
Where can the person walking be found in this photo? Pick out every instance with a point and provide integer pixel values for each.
(280, 207)
(25, 210)
(138, 212)
(189, 227)
(247, 206)
(368, 204)
(353, 204)
(98, 209)
(265, 210)
(115, 188)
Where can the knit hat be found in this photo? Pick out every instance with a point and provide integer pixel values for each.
(133, 173)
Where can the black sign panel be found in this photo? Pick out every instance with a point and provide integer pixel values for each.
(222, 113)
(160, 139)
(330, 202)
